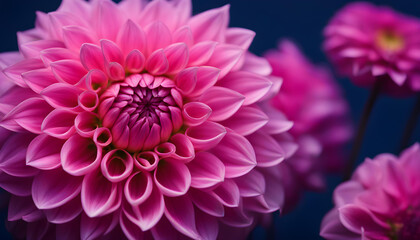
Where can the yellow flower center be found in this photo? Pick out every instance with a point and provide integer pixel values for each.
(390, 41)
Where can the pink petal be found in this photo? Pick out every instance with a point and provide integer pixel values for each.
(206, 135)
(91, 57)
(207, 226)
(158, 36)
(135, 61)
(186, 80)
(99, 196)
(164, 230)
(236, 217)
(11, 97)
(206, 78)
(154, 137)
(355, 218)
(56, 54)
(274, 195)
(15, 71)
(13, 154)
(184, 149)
(166, 126)
(68, 71)
(255, 64)
(227, 193)
(102, 137)
(201, 52)
(206, 170)
(146, 160)
(184, 35)
(237, 154)
(80, 156)
(38, 80)
(54, 188)
(131, 230)
(86, 124)
(180, 212)
(138, 188)
(29, 114)
(332, 228)
(268, 151)
(172, 178)
(210, 25)
(19, 207)
(246, 120)
(160, 11)
(59, 123)
(398, 77)
(62, 95)
(109, 20)
(165, 150)
(32, 49)
(177, 55)
(88, 100)
(44, 152)
(240, 37)
(18, 186)
(64, 213)
(111, 52)
(251, 184)
(94, 228)
(223, 102)
(255, 88)
(69, 230)
(207, 203)
(157, 63)
(116, 165)
(96, 80)
(225, 57)
(131, 37)
(148, 214)
(176, 117)
(195, 113)
(76, 36)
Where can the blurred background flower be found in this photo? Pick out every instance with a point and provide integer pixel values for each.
(370, 44)
(303, 23)
(312, 99)
(380, 201)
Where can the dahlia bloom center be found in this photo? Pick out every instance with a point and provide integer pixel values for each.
(141, 108)
(390, 41)
(409, 227)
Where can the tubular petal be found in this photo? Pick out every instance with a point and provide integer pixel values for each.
(99, 196)
(138, 188)
(172, 178)
(117, 165)
(80, 156)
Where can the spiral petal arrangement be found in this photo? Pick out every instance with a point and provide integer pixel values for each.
(137, 120)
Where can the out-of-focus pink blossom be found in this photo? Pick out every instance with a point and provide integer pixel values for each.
(381, 200)
(369, 43)
(139, 120)
(311, 99)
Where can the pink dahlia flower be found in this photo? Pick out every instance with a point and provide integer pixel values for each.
(380, 202)
(369, 43)
(311, 99)
(139, 120)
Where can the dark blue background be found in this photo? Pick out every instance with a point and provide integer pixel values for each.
(301, 21)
